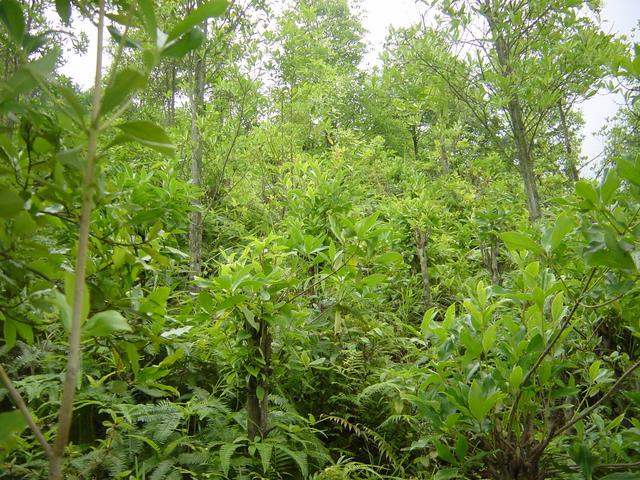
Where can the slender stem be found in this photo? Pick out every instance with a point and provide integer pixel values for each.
(73, 359)
(22, 406)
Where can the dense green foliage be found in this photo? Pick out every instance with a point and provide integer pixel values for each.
(240, 255)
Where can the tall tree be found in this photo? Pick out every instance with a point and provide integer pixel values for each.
(522, 58)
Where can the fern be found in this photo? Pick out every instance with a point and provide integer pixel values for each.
(368, 434)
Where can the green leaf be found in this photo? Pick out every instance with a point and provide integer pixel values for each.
(480, 404)
(184, 44)
(584, 458)
(628, 171)
(13, 18)
(520, 241)
(64, 309)
(444, 452)
(265, 450)
(10, 203)
(214, 8)
(226, 452)
(449, 316)
(146, 133)
(446, 474)
(63, 7)
(12, 424)
(124, 84)
(389, 258)
(105, 323)
(260, 392)
(515, 379)
(149, 17)
(10, 333)
(561, 227)
(557, 306)
(117, 37)
(489, 337)
(427, 318)
(585, 190)
(609, 186)
(594, 369)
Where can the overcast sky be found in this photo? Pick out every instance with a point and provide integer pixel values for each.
(619, 16)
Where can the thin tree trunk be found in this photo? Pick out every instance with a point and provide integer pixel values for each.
(258, 388)
(421, 246)
(416, 142)
(172, 100)
(518, 128)
(197, 102)
(444, 158)
(570, 166)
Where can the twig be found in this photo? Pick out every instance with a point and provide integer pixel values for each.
(22, 406)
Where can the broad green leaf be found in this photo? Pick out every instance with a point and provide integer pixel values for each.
(260, 392)
(444, 452)
(12, 16)
(427, 318)
(10, 333)
(64, 309)
(520, 241)
(585, 190)
(105, 323)
(149, 18)
(146, 133)
(389, 257)
(594, 369)
(12, 424)
(516, 376)
(561, 227)
(489, 337)
(609, 186)
(184, 44)
(462, 446)
(213, 8)
(124, 84)
(557, 306)
(446, 474)
(449, 316)
(10, 203)
(63, 7)
(479, 403)
(628, 171)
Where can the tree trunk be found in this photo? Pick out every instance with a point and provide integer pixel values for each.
(416, 143)
(197, 102)
(444, 158)
(258, 408)
(525, 160)
(516, 119)
(570, 166)
(421, 246)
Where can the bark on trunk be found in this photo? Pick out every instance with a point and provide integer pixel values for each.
(516, 119)
(570, 167)
(258, 408)
(421, 246)
(197, 102)
(415, 141)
